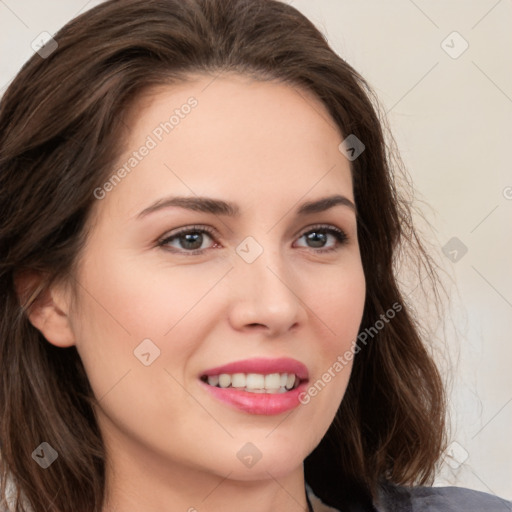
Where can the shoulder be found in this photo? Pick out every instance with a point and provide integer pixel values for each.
(433, 499)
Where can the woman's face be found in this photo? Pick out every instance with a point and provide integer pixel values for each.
(258, 290)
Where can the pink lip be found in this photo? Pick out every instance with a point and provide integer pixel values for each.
(259, 403)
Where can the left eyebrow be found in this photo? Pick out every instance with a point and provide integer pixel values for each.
(219, 207)
(325, 203)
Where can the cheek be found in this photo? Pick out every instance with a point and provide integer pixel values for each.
(339, 304)
(136, 298)
(121, 308)
(151, 297)
(127, 301)
(339, 307)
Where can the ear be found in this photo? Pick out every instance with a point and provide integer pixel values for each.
(49, 312)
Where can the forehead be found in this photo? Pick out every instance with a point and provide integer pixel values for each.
(232, 100)
(231, 134)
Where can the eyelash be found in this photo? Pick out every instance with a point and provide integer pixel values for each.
(340, 236)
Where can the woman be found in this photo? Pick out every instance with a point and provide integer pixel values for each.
(200, 308)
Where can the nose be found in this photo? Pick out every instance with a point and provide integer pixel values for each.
(265, 296)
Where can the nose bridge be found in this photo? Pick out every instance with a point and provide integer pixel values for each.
(265, 294)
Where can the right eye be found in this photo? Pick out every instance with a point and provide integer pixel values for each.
(190, 239)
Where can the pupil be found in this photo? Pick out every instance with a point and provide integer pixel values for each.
(193, 238)
(317, 238)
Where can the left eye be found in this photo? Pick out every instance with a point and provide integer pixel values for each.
(191, 239)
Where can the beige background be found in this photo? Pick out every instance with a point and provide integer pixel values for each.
(451, 116)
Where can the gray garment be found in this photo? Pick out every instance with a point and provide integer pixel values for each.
(395, 498)
(442, 499)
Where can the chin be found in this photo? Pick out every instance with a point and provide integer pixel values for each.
(263, 470)
(277, 457)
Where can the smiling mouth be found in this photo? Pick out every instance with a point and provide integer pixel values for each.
(272, 383)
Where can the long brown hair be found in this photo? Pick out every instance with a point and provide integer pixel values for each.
(61, 130)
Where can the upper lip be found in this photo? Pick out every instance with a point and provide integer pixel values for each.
(263, 366)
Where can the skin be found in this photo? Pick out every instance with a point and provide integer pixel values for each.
(268, 147)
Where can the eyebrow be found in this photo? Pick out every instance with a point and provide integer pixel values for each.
(226, 208)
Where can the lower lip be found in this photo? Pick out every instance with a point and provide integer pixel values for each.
(258, 403)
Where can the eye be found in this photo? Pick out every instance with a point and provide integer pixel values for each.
(190, 240)
(318, 235)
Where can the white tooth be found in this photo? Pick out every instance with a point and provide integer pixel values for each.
(224, 380)
(213, 380)
(290, 381)
(253, 390)
(272, 381)
(238, 380)
(282, 390)
(284, 377)
(255, 381)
